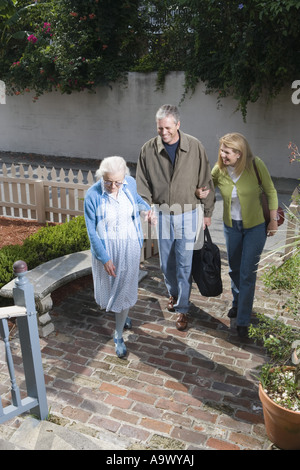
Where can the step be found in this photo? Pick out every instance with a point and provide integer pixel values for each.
(44, 435)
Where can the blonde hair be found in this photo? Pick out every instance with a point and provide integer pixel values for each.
(238, 144)
(112, 165)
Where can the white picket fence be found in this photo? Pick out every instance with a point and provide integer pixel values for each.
(52, 195)
(41, 194)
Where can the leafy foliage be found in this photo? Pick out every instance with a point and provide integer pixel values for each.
(277, 338)
(280, 385)
(245, 50)
(286, 278)
(242, 50)
(48, 243)
(70, 45)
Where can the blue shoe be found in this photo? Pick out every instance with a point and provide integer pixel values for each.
(120, 347)
(128, 324)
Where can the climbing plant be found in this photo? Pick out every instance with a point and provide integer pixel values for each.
(244, 50)
(70, 45)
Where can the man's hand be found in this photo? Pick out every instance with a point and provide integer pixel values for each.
(206, 221)
(149, 217)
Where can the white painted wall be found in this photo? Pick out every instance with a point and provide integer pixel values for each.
(118, 120)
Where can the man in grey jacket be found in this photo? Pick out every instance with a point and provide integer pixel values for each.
(170, 168)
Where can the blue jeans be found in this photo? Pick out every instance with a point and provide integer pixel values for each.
(244, 247)
(176, 236)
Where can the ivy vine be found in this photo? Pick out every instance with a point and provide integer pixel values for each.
(244, 50)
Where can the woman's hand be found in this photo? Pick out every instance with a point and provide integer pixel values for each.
(272, 228)
(272, 225)
(110, 268)
(202, 193)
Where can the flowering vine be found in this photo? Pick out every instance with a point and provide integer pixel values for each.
(240, 49)
(74, 46)
(295, 154)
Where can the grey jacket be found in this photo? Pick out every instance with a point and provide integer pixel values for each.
(159, 183)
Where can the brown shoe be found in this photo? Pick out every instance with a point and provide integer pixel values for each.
(181, 323)
(171, 302)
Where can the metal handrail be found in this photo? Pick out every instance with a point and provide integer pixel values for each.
(25, 313)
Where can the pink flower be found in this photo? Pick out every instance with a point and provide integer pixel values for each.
(32, 38)
(295, 154)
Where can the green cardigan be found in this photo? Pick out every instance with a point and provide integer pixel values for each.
(248, 192)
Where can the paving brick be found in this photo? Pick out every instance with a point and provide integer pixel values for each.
(177, 357)
(250, 417)
(146, 410)
(114, 389)
(159, 391)
(124, 416)
(176, 386)
(80, 369)
(118, 402)
(95, 407)
(105, 423)
(221, 445)
(178, 419)
(202, 415)
(168, 404)
(137, 433)
(188, 436)
(245, 440)
(155, 425)
(76, 413)
(141, 397)
(151, 379)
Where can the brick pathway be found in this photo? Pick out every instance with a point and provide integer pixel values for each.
(175, 390)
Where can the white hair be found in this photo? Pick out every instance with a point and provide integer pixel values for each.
(112, 165)
(167, 110)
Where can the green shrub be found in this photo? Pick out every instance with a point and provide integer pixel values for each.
(286, 278)
(47, 243)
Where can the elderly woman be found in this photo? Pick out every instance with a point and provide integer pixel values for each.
(244, 224)
(111, 209)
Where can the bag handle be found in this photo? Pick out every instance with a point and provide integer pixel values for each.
(207, 234)
(257, 174)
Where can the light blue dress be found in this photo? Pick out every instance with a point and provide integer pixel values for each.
(115, 233)
(121, 292)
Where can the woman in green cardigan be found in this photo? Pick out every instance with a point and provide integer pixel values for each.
(245, 229)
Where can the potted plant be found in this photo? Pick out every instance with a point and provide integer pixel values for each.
(279, 386)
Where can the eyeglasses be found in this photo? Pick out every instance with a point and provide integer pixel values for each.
(110, 183)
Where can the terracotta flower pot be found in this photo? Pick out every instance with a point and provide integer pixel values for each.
(282, 425)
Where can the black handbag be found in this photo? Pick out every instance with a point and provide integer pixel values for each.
(206, 268)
